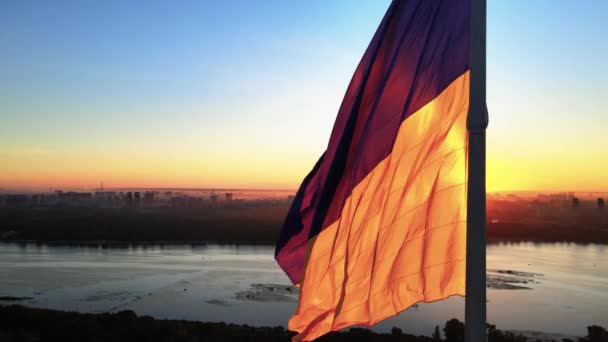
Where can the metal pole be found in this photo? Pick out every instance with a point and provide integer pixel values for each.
(477, 122)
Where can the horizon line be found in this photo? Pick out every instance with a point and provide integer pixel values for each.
(34, 189)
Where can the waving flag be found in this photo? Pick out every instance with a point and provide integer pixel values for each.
(379, 224)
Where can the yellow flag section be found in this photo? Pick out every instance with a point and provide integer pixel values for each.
(401, 236)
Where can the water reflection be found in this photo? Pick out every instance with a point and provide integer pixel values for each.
(212, 283)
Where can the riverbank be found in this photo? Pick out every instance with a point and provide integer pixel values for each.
(243, 225)
(562, 285)
(18, 323)
(231, 225)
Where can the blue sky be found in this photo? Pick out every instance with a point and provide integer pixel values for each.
(244, 93)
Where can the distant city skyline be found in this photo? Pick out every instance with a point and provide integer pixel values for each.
(243, 95)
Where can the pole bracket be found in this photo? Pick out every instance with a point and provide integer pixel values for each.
(478, 119)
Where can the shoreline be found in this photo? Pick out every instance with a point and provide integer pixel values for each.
(119, 243)
(144, 243)
(22, 323)
(222, 225)
(254, 225)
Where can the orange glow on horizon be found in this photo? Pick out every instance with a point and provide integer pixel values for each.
(504, 174)
(508, 169)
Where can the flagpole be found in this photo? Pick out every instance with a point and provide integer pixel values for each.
(477, 122)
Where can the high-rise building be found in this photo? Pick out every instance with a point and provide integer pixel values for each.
(129, 199)
(214, 199)
(576, 202)
(136, 199)
(148, 199)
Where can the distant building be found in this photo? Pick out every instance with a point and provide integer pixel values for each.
(136, 199)
(186, 202)
(194, 202)
(73, 198)
(539, 210)
(148, 199)
(178, 202)
(228, 196)
(37, 198)
(104, 194)
(600, 203)
(129, 199)
(105, 198)
(17, 200)
(214, 199)
(149, 196)
(576, 202)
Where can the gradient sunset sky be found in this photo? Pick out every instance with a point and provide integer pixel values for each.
(244, 93)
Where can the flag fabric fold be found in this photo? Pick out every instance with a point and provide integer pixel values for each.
(379, 224)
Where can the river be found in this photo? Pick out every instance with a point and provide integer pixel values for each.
(564, 287)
